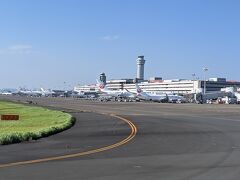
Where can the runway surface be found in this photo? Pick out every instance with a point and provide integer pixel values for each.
(173, 142)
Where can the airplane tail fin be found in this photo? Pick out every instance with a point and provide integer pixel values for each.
(100, 85)
(139, 90)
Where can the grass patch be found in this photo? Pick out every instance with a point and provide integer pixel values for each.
(34, 123)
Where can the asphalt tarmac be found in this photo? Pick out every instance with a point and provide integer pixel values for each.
(172, 142)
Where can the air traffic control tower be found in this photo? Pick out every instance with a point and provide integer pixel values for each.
(103, 78)
(140, 68)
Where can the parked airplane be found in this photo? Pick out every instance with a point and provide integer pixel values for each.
(34, 93)
(6, 93)
(237, 94)
(155, 96)
(173, 98)
(114, 93)
(77, 94)
(149, 96)
(26, 92)
(47, 92)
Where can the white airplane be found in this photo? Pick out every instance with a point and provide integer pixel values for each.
(150, 96)
(6, 93)
(34, 93)
(237, 94)
(77, 94)
(26, 92)
(47, 92)
(114, 93)
(173, 98)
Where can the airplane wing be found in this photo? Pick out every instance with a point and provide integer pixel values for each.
(131, 92)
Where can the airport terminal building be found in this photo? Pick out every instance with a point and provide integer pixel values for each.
(157, 84)
(178, 86)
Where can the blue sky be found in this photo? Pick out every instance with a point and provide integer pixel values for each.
(48, 42)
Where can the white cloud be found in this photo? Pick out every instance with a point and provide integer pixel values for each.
(17, 49)
(20, 47)
(110, 38)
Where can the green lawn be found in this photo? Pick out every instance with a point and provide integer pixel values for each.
(34, 123)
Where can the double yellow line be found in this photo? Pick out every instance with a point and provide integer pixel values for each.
(124, 141)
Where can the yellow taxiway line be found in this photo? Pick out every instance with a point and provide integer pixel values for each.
(124, 141)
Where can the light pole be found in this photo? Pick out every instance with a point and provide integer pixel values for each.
(193, 76)
(205, 69)
(64, 85)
